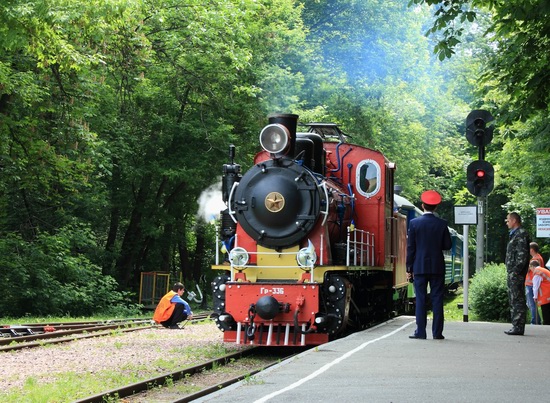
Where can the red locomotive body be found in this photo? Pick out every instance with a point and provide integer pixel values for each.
(314, 248)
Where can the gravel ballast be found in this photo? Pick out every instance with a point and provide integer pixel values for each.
(143, 353)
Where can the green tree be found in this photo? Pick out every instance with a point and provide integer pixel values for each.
(514, 84)
(117, 114)
(183, 104)
(375, 77)
(53, 276)
(519, 37)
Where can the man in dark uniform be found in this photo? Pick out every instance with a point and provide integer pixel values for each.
(428, 237)
(517, 265)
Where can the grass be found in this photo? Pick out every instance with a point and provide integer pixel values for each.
(67, 387)
(452, 312)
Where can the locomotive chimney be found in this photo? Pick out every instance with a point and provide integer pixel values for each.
(290, 121)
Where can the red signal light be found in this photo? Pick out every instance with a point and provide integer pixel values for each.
(480, 177)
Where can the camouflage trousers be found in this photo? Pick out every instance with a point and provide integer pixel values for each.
(516, 296)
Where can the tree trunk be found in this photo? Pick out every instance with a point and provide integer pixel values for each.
(184, 263)
(109, 261)
(199, 251)
(131, 245)
(166, 247)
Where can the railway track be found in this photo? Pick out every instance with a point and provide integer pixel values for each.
(129, 392)
(138, 358)
(16, 337)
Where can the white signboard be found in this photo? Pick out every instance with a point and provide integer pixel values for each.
(466, 215)
(543, 222)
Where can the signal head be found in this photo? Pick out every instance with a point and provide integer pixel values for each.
(480, 177)
(477, 131)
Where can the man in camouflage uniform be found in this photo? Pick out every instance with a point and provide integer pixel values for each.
(517, 265)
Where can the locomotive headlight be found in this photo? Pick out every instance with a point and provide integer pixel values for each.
(226, 318)
(306, 257)
(319, 320)
(238, 257)
(275, 138)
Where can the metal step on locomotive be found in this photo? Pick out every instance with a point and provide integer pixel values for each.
(313, 240)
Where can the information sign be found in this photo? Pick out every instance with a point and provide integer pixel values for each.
(466, 215)
(543, 222)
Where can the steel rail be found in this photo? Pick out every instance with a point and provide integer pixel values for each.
(145, 385)
(215, 388)
(57, 337)
(76, 325)
(61, 333)
(20, 346)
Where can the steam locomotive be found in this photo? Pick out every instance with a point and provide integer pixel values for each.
(313, 239)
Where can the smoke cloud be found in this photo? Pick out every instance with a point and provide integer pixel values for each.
(211, 202)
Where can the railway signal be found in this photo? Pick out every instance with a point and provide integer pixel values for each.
(480, 177)
(480, 174)
(478, 131)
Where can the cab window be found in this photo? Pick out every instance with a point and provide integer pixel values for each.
(368, 178)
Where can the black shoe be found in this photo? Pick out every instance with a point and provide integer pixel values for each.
(175, 327)
(514, 332)
(439, 337)
(414, 336)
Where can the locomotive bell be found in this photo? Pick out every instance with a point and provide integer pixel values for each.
(267, 307)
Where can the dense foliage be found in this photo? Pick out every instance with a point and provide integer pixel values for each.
(489, 294)
(510, 44)
(115, 115)
(54, 276)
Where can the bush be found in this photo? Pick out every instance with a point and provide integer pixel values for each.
(51, 275)
(489, 294)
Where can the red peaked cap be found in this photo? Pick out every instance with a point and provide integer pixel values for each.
(431, 197)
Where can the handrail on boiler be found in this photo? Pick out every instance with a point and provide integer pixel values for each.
(230, 202)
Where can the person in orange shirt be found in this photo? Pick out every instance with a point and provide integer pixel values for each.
(172, 309)
(541, 289)
(535, 255)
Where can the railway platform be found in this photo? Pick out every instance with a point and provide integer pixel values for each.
(476, 362)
